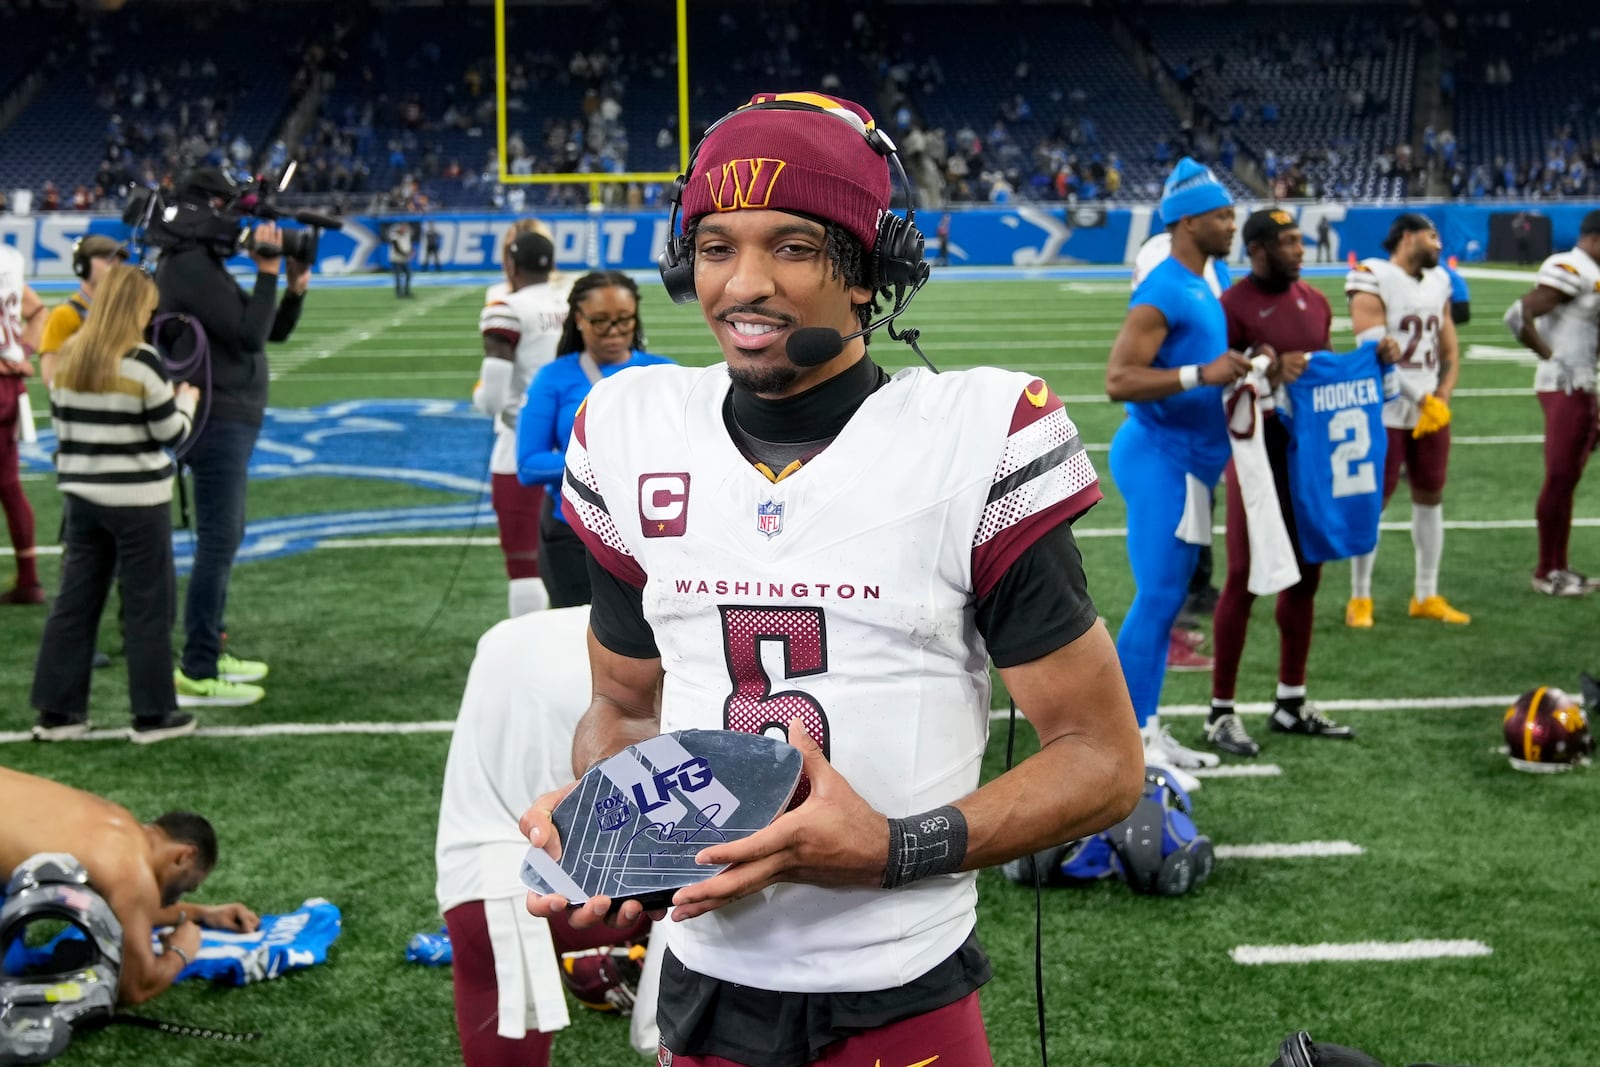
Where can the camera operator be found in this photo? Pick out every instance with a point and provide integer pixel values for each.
(194, 281)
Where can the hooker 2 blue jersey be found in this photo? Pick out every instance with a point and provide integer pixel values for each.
(1337, 448)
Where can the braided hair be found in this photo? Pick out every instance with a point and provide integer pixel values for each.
(571, 339)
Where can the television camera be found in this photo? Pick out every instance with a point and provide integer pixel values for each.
(213, 208)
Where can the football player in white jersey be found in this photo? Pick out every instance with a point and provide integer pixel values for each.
(1559, 319)
(22, 318)
(1408, 297)
(499, 289)
(520, 331)
(528, 685)
(793, 541)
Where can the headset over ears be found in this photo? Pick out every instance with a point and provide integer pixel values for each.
(80, 262)
(896, 260)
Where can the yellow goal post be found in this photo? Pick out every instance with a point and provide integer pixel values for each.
(594, 181)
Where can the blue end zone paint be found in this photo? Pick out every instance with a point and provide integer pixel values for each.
(432, 444)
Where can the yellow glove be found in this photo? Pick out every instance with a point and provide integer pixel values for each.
(1433, 416)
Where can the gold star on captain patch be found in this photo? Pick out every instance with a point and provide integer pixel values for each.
(660, 526)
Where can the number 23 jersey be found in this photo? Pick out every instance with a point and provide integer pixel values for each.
(842, 594)
(1415, 310)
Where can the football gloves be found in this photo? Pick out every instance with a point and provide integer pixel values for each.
(1433, 415)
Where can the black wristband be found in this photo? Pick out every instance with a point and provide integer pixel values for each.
(921, 846)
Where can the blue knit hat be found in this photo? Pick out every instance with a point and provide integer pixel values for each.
(1192, 189)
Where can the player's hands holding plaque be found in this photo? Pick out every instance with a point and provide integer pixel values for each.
(631, 832)
(832, 838)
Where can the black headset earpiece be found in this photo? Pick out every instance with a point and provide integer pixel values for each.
(80, 262)
(676, 262)
(897, 257)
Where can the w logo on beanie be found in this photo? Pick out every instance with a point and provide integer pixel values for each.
(744, 183)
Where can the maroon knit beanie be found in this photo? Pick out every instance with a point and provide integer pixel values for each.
(801, 161)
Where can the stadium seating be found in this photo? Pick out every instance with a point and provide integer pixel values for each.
(1066, 67)
(62, 135)
(1308, 62)
(1552, 77)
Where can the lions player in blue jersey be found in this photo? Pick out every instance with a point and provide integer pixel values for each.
(1169, 363)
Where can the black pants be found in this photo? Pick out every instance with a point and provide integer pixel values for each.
(134, 544)
(402, 278)
(562, 562)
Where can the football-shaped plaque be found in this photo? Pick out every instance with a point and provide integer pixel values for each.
(632, 826)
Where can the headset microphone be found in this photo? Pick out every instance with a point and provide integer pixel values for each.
(813, 346)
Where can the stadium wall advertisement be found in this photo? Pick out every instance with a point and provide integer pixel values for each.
(1016, 235)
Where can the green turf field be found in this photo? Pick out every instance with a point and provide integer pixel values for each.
(1454, 844)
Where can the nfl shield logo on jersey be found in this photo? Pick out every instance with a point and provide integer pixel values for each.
(769, 518)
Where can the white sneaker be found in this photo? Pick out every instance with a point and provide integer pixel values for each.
(1158, 737)
(1184, 780)
(1563, 583)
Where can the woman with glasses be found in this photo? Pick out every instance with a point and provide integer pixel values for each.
(603, 335)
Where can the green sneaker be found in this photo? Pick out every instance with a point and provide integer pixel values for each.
(214, 692)
(234, 669)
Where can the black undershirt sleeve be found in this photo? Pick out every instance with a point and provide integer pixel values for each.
(1040, 603)
(616, 614)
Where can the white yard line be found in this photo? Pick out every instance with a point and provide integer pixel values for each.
(1359, 952)
(273, 729)
(1238, 770)
(449, 482)
(1291, 850)
(376, 326)
(1232, 770)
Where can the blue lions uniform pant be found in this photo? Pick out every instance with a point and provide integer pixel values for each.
(1153, 484)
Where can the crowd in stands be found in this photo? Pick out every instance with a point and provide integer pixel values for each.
(407, 118)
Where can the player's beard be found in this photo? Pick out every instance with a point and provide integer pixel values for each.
(764, 381)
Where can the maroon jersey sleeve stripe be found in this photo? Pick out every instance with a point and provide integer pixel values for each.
(990, 559)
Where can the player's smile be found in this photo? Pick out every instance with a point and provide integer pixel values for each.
(754, 331)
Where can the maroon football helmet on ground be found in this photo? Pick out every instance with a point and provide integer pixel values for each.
(604, 978)
(1546, 732)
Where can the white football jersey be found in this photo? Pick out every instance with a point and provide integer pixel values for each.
(531, 319)
(1158, 248)
(526, 691)
(1415, 310)
(13, 282)
(1572, 330)
(844, 594)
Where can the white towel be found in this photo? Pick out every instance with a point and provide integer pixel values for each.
(1195, 526)
(525, 970)
(1272, 564)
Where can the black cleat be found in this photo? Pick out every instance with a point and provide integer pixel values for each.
(1310, 722)
(1226, 734)
(172, 724)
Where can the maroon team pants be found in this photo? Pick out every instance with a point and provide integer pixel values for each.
(1426, 460)
(1570, 431)
(517, 508)
(477, 994)
(952, 1034)
(1296, 604)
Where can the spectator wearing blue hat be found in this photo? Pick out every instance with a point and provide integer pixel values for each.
(1169, 363)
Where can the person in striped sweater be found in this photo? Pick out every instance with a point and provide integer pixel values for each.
(115, 415)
